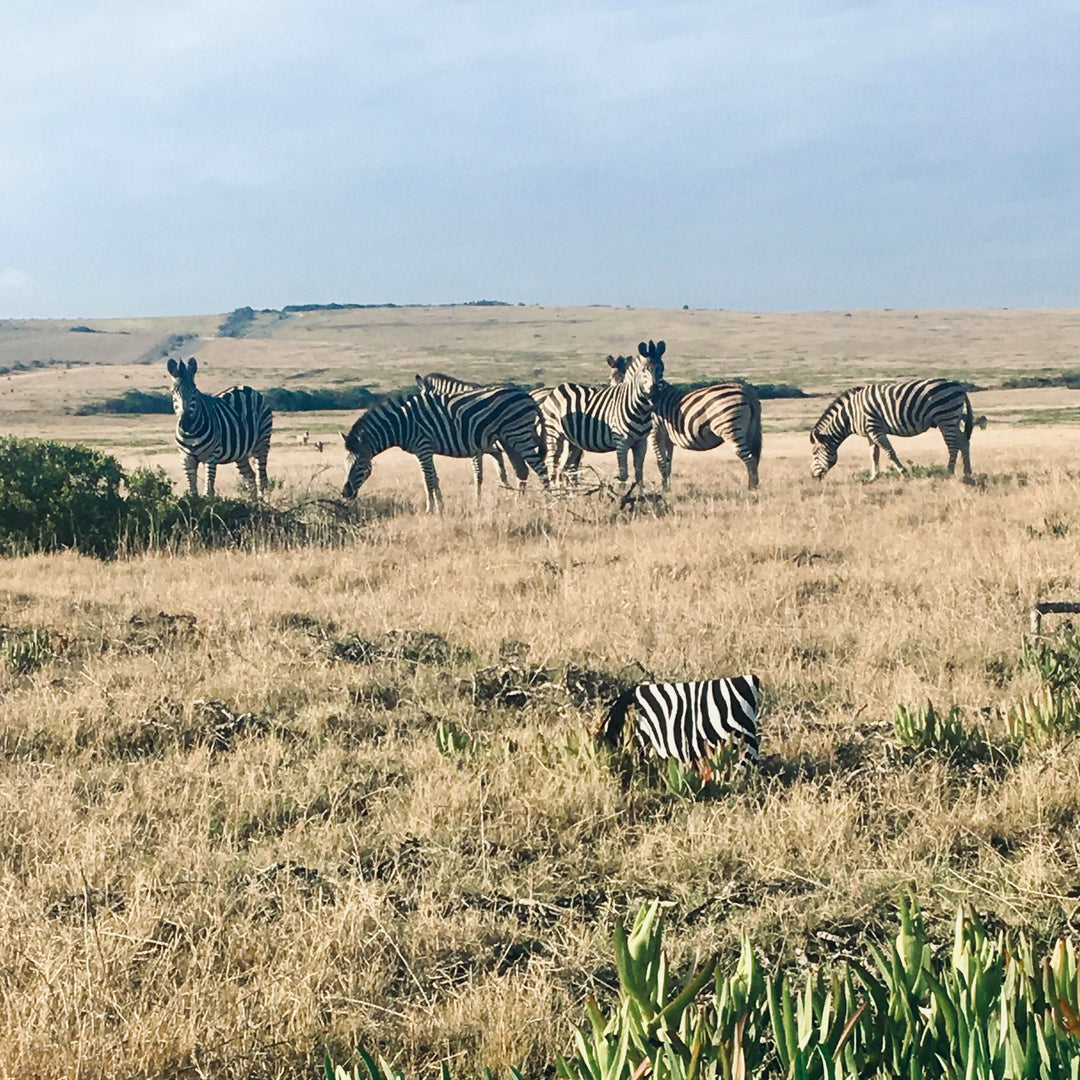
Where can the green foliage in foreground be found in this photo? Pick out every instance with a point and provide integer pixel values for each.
(988, 1008)
(56, 496)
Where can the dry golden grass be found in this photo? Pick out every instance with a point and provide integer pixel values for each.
(188, 890)
(324, 875)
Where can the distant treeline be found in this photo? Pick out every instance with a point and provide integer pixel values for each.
(277, 397)
(765, 391)
(1069, 379)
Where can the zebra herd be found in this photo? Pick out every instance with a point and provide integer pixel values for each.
(547, 431)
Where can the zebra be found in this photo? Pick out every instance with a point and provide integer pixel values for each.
(437, 383)
(601, 419)
(879, 410)
(461, 425)
(702, 419)
(688, 721)
(216, 429)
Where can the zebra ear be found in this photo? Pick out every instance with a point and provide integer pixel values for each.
(643, 348)
(174, 371)
(345, 438)
(192, 365)
(612, 362)
(420, 382)
(660, 347)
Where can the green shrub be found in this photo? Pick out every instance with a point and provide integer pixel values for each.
(54, 496)
(990, 1007)
(130, 401)
(238, 323)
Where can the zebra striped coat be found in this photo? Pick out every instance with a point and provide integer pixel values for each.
(703, 419)
(214, 430)
(437, 383)
(617, 417)
(459, 425)
(879, 410)
(688, 721)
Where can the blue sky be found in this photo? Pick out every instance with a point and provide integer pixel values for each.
(198, 156)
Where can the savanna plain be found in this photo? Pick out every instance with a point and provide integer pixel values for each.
(269, 801)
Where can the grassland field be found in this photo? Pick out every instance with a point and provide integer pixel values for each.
(227, 843)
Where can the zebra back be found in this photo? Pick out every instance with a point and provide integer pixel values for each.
(456, 425)
(688, 721)
(230, 426)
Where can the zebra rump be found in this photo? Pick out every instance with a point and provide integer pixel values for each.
(688, 721)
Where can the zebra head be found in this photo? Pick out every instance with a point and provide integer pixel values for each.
(824, 454)
(653, 353)
(184, 394)
(357, 462)
(618, 365)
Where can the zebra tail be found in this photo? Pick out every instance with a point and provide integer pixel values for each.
(971, 421)
(755, 427)
(612, 727)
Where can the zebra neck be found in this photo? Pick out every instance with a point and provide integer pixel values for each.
(195, 418)
(666, 401)
(636, 399)
(386, 428)
(833, 430)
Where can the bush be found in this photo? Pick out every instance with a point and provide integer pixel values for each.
(55, 496)
(238, 323)
(131, 401)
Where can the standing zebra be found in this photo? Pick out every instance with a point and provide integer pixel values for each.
(703, 419)
(218, 429)
(688, 721)
(437, 383)
(460, 425)
(879, 410)
(601, 419)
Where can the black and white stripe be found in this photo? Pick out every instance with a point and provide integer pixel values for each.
(217, 429)
(688, 721)
(879, 410)
(702, 419)
(457, 425)
(602, 419)
(436, 382)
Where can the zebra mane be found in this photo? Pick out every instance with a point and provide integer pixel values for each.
(389, 404)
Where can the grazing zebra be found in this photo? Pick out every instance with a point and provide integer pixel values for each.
(703, 419)
(217, 429)
(879, 410)
(437, 383)
(461, 425)
(688, 721)
(601, 419)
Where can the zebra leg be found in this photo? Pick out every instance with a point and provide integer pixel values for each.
(496, 453)
(881, 442)
(260, 459)
(875, 451)
(191, 471)
(664, 449)
(621, 449)
(957, 444)
(478, 473)
(572, 465)
(211, 474)
(555, 443)
(244, 466)
(752, 472)
(520, 461)
(638, 450)
(431, 483)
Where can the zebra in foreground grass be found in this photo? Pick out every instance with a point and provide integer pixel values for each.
(703, 419)
(879, 410)
(688, 721)
(436, 382)
(216, 429)
(617, 417)
(462, 425)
